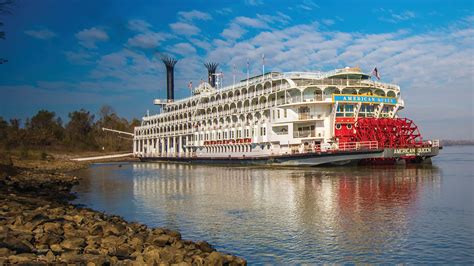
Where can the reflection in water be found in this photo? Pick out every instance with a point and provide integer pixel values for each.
(269, 214)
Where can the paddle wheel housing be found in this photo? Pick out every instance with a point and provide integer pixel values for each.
(388, 132)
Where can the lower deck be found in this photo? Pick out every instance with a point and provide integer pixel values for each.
(315, 158)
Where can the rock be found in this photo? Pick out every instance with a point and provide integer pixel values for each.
(69, 229)
(42, 251)
(54, 228)
(215, 258)
(111, 241)
(95, 259)
(74, 243)
(72, 257)
(151, 254)
(139, 261)
(91, 249)
(19, 220)
(21, 258)
(97, 229)
(158, 231)
(175, 234)
(122, 251)
(49, 238)
(183, 263)
(136, 243)
(50, 256)
(56, 248)
(18, 245)
(178, 244)
(198, 260)
(114, 229)
(92, 239)
(76, 218)
(38, 218)
(161, 240)
(204, 246)
(5, 252)
(166, 255)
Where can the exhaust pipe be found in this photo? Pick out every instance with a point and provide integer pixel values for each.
(169, 63)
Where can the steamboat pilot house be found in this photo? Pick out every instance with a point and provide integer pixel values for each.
(268, 115)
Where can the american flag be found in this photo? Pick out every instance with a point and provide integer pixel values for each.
(375, 73)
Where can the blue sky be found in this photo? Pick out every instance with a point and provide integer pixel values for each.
(67, 55)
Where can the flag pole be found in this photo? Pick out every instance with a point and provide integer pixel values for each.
(263, 67)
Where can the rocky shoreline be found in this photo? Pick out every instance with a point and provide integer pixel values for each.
(39, 226)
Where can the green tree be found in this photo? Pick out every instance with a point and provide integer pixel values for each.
(79, 130)
(44, 129)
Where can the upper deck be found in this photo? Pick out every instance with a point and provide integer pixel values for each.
(339, 81)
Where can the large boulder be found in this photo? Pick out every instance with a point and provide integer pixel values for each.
(215, 258)
(73, 243)
(18, 245)
(204, 246)
(160, 241)
(55, 228)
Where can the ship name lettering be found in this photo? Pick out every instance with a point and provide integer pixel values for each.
(424, 150)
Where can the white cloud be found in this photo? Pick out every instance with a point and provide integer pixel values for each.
(79, 58)
(233, 32)
(254, 2)
(183, 28)
(203, 44)
(389, 15)
(138, 25)
(236, 28)
(89, 37)
(193, 15)
(251, 22)
(184, 49)
(147, 40)
(328, 22)
(224, 11)
(42, 34)
(308, 5)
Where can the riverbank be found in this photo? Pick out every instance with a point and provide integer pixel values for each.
(38, 225)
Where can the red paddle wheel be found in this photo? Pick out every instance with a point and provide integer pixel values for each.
(389, 132)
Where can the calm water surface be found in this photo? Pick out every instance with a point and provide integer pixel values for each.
(413, 214)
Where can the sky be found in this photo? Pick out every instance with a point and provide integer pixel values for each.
(67, 55)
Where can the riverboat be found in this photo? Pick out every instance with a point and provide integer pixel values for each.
(283, 118)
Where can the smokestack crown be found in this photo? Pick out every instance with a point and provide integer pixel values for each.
(211, 70)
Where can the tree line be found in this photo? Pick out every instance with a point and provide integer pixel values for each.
(82, 132)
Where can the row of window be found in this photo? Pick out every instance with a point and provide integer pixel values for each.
(232, 134)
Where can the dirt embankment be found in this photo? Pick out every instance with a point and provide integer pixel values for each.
(38, 225)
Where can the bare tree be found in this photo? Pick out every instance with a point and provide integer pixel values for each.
(5, 9)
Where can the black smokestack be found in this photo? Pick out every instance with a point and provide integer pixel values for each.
(211, 70)
(169, 63)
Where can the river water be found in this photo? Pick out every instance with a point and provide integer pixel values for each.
(411, 214)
